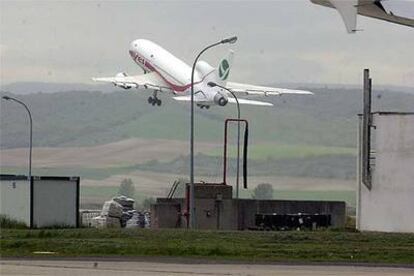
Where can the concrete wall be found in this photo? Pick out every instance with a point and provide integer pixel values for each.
(247, 208)
(167, 214)
(389, 205)
(55, 201)
(233, 214)
(216, 214)
(15, 198)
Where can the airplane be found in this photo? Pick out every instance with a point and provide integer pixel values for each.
(163, 72)
(395, 11)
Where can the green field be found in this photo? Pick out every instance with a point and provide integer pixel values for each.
(348, 196)
(104, 193)
(320, 246)
(83, 172)
(80, 118)
(281, 151)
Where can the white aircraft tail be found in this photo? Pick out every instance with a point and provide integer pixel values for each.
(223, 69)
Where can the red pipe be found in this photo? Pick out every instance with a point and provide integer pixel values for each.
(225, 145)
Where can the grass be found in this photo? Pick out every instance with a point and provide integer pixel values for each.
(321, 246)
(6, 222)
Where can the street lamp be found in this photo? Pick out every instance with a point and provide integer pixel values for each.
(7, 98)
(229, 40)
(213, 84)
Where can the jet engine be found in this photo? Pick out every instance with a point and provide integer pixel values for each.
(121, 75)
(220, 99)
(124, 85)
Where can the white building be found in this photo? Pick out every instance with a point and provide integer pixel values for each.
(388, 205)
(43, 202)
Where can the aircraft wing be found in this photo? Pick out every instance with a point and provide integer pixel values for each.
(395, 11)
(188, 98)
(231, 100)
(249, 102)
(248, 89)
(146, 81)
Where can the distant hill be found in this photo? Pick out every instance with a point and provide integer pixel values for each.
(25, 88)
(86, 117)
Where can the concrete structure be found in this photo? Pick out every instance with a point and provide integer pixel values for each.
(387, 203)
(216, 209)
(161, 266)
(42, 202)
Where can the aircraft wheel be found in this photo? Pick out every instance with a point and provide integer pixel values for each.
(207, 106)
(150, 100)
(159, 102)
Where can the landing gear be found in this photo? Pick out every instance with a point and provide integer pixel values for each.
(201, 106)
(154, 101)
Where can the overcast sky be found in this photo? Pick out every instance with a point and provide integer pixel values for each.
(279, 41)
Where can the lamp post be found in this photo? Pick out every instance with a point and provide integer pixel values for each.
(212, 84)
(230, 40)
(7, 98)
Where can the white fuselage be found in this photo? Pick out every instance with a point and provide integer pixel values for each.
(167, 73)
(175, 73)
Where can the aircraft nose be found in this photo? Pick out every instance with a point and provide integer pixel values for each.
(133, 47)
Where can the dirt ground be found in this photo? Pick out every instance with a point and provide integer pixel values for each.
(133, 151)
(130, 151)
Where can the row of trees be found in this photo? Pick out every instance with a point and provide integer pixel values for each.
(263, 191)
(127, 188)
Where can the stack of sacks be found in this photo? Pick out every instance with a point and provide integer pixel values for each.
(110, 216)
(126, 202)
(147, 219)
(112, 209)
(137, 220)
(127, 208)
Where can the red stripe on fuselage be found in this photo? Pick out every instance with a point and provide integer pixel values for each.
(178, 88)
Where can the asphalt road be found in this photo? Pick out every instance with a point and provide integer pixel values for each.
(111, 268)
